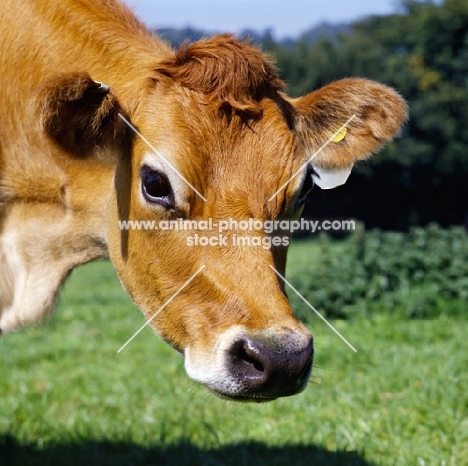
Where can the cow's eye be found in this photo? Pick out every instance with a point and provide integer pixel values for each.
(156, 187)
(306, 188)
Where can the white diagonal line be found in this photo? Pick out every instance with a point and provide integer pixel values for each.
(162, 307)
(313, 156)
(160, 155)
(313, 308)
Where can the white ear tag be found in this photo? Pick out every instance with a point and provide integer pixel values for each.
(329, 179)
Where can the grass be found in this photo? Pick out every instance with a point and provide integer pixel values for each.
(68, 398)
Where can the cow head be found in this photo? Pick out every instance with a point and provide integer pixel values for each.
(219, 141)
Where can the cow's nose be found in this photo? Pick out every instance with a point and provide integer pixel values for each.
(270, 370)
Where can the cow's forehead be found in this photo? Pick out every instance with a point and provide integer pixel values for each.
(238, 160)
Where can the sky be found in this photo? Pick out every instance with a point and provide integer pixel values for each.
(286, 18)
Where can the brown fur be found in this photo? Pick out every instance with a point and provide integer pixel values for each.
(76, 113)
(70, 169)
(379, 115)
(226, 70)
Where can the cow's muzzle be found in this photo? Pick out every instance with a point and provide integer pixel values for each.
(254, 366)
(269, 369)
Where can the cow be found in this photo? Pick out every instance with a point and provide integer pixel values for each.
(101, 122)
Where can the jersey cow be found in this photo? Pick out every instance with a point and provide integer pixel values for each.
(217, 139)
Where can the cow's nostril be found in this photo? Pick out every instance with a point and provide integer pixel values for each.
(247, 355)
(248, 364)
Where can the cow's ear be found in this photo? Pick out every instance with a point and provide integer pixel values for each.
(81, 116)
(350, 119)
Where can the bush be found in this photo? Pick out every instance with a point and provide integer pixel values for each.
(419, 274)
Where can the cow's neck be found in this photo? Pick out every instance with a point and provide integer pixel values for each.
(41, 242)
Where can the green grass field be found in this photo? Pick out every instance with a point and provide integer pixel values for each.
(68, 398)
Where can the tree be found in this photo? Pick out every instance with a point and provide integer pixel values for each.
(423, 52)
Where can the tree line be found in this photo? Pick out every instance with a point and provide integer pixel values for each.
(422, 51)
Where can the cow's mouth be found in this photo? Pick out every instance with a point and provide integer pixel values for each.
(241, 398)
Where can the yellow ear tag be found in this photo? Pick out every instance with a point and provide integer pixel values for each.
(338, 137)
